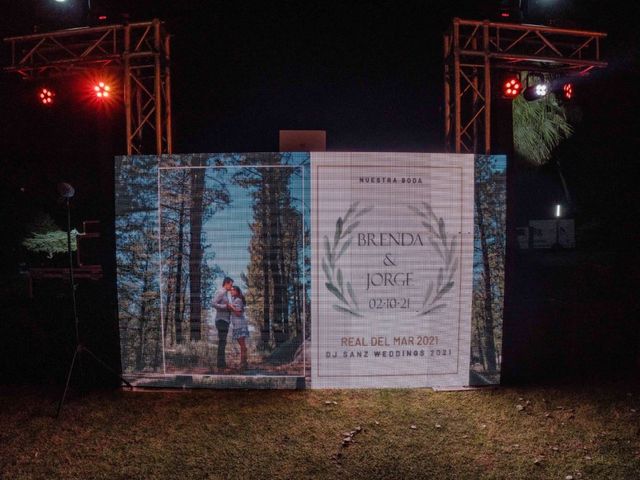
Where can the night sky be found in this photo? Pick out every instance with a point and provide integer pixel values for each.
(369, 73)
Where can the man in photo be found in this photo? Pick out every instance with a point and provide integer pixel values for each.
(221, 302)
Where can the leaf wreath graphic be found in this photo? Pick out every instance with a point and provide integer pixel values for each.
(445, 249)
(334, 249)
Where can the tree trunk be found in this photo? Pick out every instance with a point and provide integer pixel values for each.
(195, 248)
(298, 256)
(177, 319)
(141, 319)
(170, 293)
(279, 290)
(281, 296)
(297, 305)
(124, 342)
(483, 357)
(140, 356)
(489, 342)
(265, 332)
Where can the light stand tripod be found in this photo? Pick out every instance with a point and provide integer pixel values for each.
(66, 191)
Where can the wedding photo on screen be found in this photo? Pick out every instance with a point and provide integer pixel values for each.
(213, 266)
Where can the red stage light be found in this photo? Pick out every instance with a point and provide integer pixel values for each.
(567, 91)
(102, 90)
(512, 87)
(46, 96)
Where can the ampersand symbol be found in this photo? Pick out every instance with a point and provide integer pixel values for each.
(387, 262)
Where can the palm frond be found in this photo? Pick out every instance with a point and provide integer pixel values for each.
(538, 128)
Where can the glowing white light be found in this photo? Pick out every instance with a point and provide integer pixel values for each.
(536, 92)
(558, 210)
(541, 90)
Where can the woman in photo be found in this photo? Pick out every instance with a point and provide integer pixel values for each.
(240, 323)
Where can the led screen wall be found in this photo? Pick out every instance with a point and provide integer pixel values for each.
(399, 294)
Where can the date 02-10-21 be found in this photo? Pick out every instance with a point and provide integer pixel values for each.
(381, 303)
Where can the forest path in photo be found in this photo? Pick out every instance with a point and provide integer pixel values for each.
(282, 361)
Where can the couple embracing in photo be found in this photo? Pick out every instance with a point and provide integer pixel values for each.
(229, 304)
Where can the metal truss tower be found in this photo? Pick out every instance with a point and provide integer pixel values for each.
(139, 53)
(474, 50)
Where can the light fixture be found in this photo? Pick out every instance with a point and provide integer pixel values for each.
(102, 90)
(45, 96)
(536, 92)
(511, 86)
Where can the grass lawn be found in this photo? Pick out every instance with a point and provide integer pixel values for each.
(586, 432)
